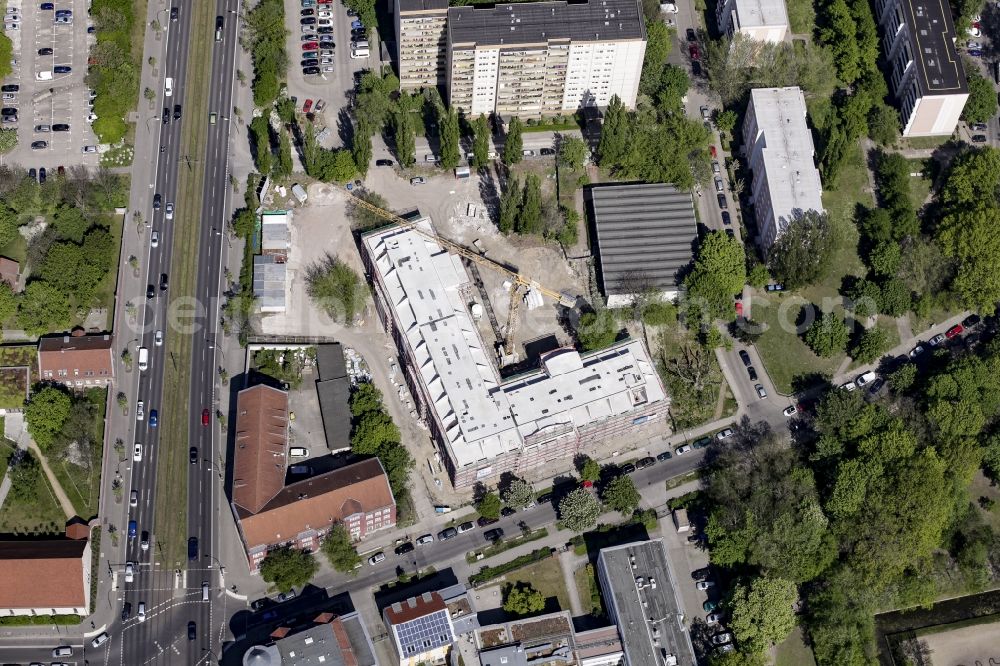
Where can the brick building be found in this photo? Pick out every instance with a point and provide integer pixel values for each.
(77, 360)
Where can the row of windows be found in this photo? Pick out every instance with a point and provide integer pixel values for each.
(76, 373)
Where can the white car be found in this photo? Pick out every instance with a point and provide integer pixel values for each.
(137, 452)
(427, 538)
(158, 338)
(705, 584)
(133, 499)
(376, 558)
(723, 434)
(154, 240)
(681, 450)
(129, 572)
(140, 410)
(328, 68)
(713, 618)
(141, 615)
(92, 117)
(324, 23)
(298, 452)
(324, 14)
(89, 149)
(974, 45)
(790, 411)
(848, 386)
(170, 210)
(865, 378)
(17, 26)
(326, 53)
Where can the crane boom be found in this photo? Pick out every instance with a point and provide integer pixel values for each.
(514, 277)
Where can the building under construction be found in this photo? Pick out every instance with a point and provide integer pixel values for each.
(484, 427)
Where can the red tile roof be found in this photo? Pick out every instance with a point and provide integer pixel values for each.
(42, 574)
(318, 502)
(69, 358)
(9, 270)
(261, 441)
(414, 607)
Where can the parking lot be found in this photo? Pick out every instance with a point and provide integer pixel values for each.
(44, 98)
(335, 87)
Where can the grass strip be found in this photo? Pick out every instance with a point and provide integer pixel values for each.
(172, 469)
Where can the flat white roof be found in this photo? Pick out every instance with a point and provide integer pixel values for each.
(761, 13)
(483, 419)
(786, 147)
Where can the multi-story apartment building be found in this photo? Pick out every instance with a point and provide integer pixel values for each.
(77, 360)
(926, 77)
(779, 151)
(484, 427)
(533, 59)
(420, 40)
(761, 20)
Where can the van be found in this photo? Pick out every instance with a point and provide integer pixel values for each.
(359, 53)
(298, 452)
(865, 378)
(204, 591)
(45, 75)
(463, 172)
(218, 28)
(63, 651)
(143, 359)
(131, 529)
(168, 86)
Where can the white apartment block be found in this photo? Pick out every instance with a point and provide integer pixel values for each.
(761, 20)
(420, 38)
(779, 151)
(926, 80)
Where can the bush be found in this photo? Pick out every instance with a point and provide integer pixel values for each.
(489, 573)
(25, 620)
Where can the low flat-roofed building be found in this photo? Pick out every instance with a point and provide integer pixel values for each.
(484, 428)
(275, 235)
(547, 639)
(77, 360)
(636, 585)
(330, 640)
(760, 20)
(48, 576)
(269, 275)
(927, 81)
(644, 235)
(421, 627)
(779, 152)
(333, 389)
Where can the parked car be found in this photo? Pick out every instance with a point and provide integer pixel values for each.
(285, 596)
(916, 351)
(723, 204)
(789, 411)
(701, 442)
(681, 450)
(713, 619)
(936, 340)
(447, 533)
(643, 463)
(761, 392)
(971, 320)
(979, 138)
(722, 639)
(745, 357)
(724, 434)
(425, 539)
(726, 220)
(865, 378)
(876, 386)
(705, 584)
(493, 535)
(404, 548)
(627, 468)
(691, 35)
(484, 521)
(39, 145)
(466, 526)
(666, 455)
(383, 163)
(376, 558)
(419, 180)
(954, 331)
(752, 373)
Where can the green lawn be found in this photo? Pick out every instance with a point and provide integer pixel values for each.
(586, 586)
(38, 515)
(82, 483)
(17, 249)
(981, 487)
(793, 651)
(920, 187)
(546, 577)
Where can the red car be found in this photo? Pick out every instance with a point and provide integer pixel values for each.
(310, 46)
(308, 105)
(204, 417)
(695, 53)
(713, 152)
(954, 331)
(739, 309)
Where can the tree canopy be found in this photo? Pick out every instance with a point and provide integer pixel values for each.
(578, 510)
(803, 253)
(46, 412)
(620, 494)
(339, 549)
(288, 567)
(719, 273)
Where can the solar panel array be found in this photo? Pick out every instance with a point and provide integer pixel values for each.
(424, 633)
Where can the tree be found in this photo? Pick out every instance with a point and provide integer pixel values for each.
(672, 85)
(70, 222)
(572, 152)
(902, 379)
(260, 144)
(966, 235)
(288, 567)
(43, 308)
(827, 336)
(518, 494)
(719, 272)
(529, 218)
(658, 44)
(361, 148)
(614, 143)
(366, 398)
(25, 477)
(597, 330)
(870, 345)
(578, 510)
(762, 612)
(339, 549)
(894, 297)
(46, 412)
(405, 139)
(589, 469)
(283, 167)
(726, 121)
(620, 494)
(448, 125)
(510, 206)
(523, 599)
(982, 102)
(803, 254)
(883, 124)
(489, 505)
(840, 34)
(8, 302)
(8, 225)
(513, 144)
(480, 142)
(336, 288)
(884, 258)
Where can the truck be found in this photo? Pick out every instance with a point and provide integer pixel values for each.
(143, 359)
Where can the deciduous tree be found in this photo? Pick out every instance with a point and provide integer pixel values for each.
(870, 345)
(719, 272)
(578, 510)
(523, 599)
(288, 567)
(803, 254)
(489, 505)
(340, 550)
(762, 612)
(518, 494)
(827, 336)
(982, 103)
(620, 494)
(46, 412)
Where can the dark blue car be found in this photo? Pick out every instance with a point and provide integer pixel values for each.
(46, 6)
(153, 418)
(131, 529)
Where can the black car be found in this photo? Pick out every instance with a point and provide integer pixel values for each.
(507, 511)
(692, 36)
(257, 604)
(447, 533)
(752, 373)
(150, 291)
(976, 138)
(10, 87)
(643, 463)
(126, 611)
(484, 521)
(45, 51)
(627, 468)
(309, 20)
(876, 386)
(310, 70)
(310, 62)
(696, 68)
(722, 201)
(494, 534)
(60, 127)
(39, 145)
(387, 163)
(546, 151)
(156, 201)
(731, 233)
(404, 548)
(745, 357)
(62, 69)
(307, 12)
(193, 548)
(701, 574)
(192, 630)
(32, 174)
(666, 455)
(41, 174)
(163, 281)
(193, 454)
(177, 111)
(8, 111)
(325, 30)
(545, 499)
(978, 127)
(166, 115)
(971, 320)
(725, 218)
(174, 13)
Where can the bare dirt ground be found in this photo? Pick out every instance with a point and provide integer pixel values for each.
(968, 646)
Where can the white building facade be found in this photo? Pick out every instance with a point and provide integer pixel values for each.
(760, 20)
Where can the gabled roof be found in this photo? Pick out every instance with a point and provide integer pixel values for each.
(261, 440)
(80, 356)
(318, 502)
(42, 574)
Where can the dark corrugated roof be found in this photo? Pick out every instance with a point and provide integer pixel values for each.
(334, 407)
(540, 22)
(422, 5)
(647, 227)
(330, 361)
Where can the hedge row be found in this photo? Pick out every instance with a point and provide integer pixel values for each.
(22, 620)
(489, 573)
